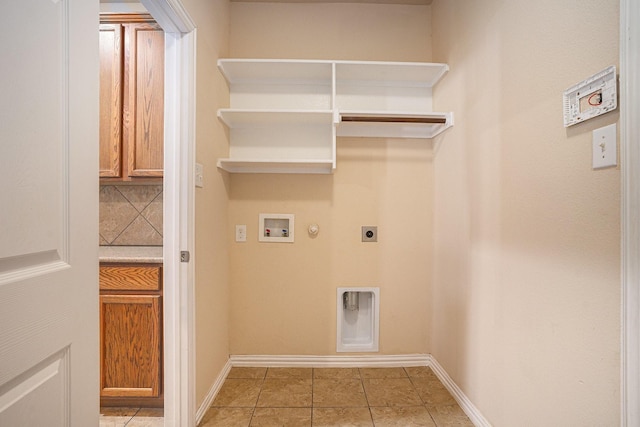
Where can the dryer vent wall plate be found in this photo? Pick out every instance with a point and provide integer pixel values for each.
(592, 97)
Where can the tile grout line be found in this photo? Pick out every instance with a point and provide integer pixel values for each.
(373, 423)
(129, 224)
(145, 208)
(146, 203)
(132, 417)
(151, 225)
(424, 404)
(255, 406)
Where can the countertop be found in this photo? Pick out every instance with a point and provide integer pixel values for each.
(145, 254)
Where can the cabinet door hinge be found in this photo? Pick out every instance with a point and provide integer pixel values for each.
(184, 256)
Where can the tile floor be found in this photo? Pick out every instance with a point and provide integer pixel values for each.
(131, 417)
(294, 397)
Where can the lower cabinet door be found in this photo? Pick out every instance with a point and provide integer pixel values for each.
(130, 345)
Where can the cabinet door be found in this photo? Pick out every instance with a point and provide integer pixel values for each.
(143, 110)
(130, 345)
(111, 46)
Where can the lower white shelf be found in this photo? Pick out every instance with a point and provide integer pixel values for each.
(277, 166)
(392, 125)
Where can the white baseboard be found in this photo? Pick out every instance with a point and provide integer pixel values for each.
(331, 361)
(213, 392)
(469, 408)
(393, 361)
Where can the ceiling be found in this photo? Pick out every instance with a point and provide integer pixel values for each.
(418, 2)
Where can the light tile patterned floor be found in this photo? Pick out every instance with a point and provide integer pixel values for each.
(355, 397)
(131, 417)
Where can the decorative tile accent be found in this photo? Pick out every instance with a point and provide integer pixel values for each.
(153, 213)
(131, 215)
(139, 233)
(140, 195)
(116, 213)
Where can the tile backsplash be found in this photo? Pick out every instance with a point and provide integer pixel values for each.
(131, 215)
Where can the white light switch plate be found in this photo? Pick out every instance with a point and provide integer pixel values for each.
(199, 176)
(605, 153)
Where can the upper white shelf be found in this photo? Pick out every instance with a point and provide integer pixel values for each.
(284, 115)
(269, 71)
(390, 73)
(304, 71)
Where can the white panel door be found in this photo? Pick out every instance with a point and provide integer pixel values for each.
(49, 213)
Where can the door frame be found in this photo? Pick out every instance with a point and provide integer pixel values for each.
(630, 210)
(178, 210)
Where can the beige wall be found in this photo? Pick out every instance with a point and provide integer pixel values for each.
(212, 260)
(283, 296)
(526, 297)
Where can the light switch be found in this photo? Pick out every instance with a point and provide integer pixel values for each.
(199, 176)
(605, 147)
(241, 233)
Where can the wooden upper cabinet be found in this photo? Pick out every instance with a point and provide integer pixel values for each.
(111, 46)
(131, 98)
(144, 99)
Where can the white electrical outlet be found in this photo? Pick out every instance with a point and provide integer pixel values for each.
(605, 153)
(241, 233)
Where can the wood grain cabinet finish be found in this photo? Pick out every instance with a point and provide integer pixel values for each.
(111, 46)
(131, 98)
(130, 334)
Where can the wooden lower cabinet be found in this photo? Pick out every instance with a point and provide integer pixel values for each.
(131, 335)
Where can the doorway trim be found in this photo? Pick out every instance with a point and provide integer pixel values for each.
(630, 160)
(179, 210)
